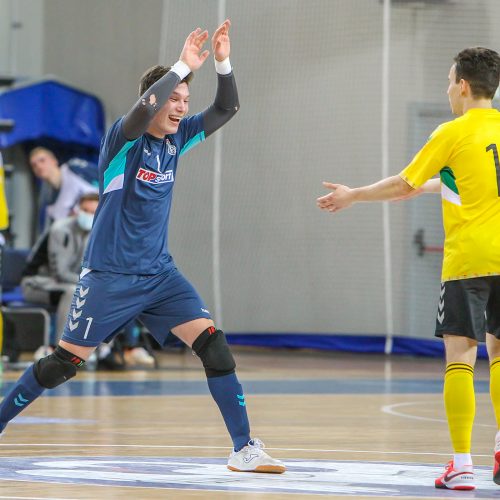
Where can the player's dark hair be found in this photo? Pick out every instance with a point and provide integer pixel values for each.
(481, 68)
(152, 75)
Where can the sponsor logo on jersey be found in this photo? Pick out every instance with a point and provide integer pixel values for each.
(154, 177)
(171, 149)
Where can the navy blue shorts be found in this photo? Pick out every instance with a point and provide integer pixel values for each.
(105, 302)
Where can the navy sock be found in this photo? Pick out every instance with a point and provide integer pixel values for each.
(24, 392)
(228, 394)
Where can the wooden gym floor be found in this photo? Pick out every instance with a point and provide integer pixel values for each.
(359, 426)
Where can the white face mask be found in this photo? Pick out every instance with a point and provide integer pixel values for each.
(85, 220)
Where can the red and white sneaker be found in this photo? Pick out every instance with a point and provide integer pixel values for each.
(496, 467)
(456, 479)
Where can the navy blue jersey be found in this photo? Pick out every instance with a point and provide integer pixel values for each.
(136, 180)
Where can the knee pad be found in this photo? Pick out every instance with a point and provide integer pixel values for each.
(55, 369)
(211, 347)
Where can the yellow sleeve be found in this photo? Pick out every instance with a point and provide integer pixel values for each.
(432, 157)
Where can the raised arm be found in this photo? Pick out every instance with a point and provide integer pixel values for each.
(137, 120)
(226, 102)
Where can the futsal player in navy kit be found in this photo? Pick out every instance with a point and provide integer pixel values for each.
(128, 271)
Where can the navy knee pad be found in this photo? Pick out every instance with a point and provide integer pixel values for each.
(56, 368)
(211, 347)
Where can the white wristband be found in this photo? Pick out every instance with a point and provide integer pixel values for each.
(181, 69)
(223, 67)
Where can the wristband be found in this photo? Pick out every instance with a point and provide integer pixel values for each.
(223, 67)
(181, 69)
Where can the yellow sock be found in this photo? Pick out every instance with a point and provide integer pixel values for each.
(460, 404)
(495, 388)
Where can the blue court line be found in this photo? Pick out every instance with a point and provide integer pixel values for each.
(110, 388)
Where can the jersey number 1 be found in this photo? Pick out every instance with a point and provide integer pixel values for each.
(493, 147)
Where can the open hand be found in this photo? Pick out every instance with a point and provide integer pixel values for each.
(340, 197)
(220, 41)
(192, 53)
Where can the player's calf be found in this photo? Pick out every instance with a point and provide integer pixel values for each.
(47, 373)
(248, 455)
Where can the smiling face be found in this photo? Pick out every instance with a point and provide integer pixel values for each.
(167, 120)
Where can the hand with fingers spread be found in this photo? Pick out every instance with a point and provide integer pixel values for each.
(192, 54)
(340, 197)
(220, 41)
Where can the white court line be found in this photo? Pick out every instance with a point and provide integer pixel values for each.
(390, 410)
(193, 447)
(35, 498)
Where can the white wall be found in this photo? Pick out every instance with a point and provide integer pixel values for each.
(21, 37)
(309, 77)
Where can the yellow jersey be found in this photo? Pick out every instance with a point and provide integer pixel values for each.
(4, 212)
(465, 153)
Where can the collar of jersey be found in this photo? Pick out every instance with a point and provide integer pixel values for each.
(154, 139)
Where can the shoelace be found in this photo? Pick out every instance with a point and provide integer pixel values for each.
(449, 466)
(256, 443)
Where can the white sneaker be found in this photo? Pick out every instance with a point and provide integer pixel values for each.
(42, 351)
(139, 356)
(253, 458)
(456, 479)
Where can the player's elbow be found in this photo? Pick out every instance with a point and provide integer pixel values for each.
(136, 121)
(227, 110)
(401, 187)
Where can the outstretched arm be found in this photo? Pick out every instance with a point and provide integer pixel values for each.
(137, 120)
(342, 196)
(226, 102)
(431, 186)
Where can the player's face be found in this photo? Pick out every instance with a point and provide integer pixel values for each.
(43, 164)
(454, 93)
(168, 118)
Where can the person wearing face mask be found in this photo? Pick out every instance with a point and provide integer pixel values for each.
(52, 279)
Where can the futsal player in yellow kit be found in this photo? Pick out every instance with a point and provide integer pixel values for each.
(465, 154)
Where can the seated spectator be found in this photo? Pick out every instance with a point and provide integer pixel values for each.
(62, 185)
(55, 262)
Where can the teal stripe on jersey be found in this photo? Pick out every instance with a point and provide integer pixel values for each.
(193, 142)
(116, 166)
